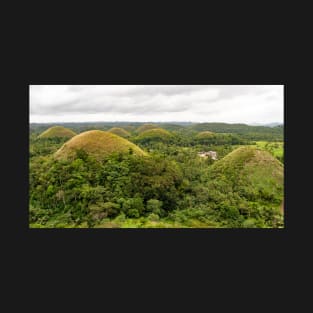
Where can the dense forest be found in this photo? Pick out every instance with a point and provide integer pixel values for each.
(157, 175)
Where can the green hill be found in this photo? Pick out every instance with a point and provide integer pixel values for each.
(98, 144)
(157, 134)
(146, 127)
(247, 131)
(119, 131)
(57, 131)
(171, 127)
(205, 134)
(252, 173)
(129, 128)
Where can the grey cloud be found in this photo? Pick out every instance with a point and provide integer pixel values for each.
(75, 88)
(181, 101)
(231, 91)
(66, 106)
(151, 90)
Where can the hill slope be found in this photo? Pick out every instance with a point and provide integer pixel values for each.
(146, 127)
(98, 144)
(157, 134)
(205, 134)
(119, 131)
(251, 172)
(57, 131)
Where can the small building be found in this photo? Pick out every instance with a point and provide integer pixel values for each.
(205, 154)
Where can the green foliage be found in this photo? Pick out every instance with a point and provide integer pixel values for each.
(44, 146)
(209, 138)
(154, 135)
(275, 148)
(245, 131)
(171, 187)
(249, 223)
(154, 206)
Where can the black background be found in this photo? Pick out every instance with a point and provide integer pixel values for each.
(244, 269)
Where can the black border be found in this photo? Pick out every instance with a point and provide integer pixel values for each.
(132, 242)
(252, 44)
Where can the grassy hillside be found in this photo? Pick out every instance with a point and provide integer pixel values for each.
(253, 173)
(98, 144)
(157, 134)
(145, 127)
(57, 131)
(119, 131)
(129, 128)
(275, 148)
(205, 134)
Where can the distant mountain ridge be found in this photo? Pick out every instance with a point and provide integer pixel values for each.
(256, 132)
(274, 124)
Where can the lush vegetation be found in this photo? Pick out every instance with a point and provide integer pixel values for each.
(246, 131)
(155, 180)
(153, 135)
(275, 148)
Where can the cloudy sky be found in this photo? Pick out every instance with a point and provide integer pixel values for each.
(153, 103)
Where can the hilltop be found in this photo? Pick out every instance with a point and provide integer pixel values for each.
(119, 131)
(157, 134)
(57, 131)
(205, 134)
(146, 127)
(98, 144)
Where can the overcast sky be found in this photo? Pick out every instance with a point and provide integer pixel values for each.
(143, 103)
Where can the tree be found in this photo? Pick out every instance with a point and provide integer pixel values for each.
(154, 206)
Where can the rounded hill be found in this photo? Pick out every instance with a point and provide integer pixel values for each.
(146, 127)
(97, 143)
(252, 172)
(154, 135)
(205, 135)
(57, 131)
(119, 131)
(129, 128)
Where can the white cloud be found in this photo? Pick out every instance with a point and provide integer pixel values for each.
(198, 103)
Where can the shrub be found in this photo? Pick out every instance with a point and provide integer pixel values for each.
(153, 217)
(133, 213)
(154, 206)
(249, 223)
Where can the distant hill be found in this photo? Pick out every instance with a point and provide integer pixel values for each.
(98, 144)
(250, 132)
(205, 134)
(157, 134)
(119, 131)
(267, 124)
(172, 127)
(57, 131)
(129, 128)
(246, 131)
(145, 127)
